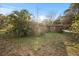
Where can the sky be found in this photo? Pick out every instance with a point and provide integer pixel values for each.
(43, 8)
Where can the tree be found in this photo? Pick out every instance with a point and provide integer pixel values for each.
(2, 21)
(50, 17)
(20, 21)
(75, 25)
(68, 17)
(75, 8)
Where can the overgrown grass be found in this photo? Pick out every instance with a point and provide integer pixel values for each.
(48, 40)
(72, 44)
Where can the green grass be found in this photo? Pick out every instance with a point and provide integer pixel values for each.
(47, 41)
(53, 40)
(50, 39)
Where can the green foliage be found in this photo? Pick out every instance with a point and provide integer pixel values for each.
(71, 17)
(75, 26)
(20, 21)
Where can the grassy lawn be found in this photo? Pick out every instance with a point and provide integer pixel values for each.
(36, 42)
(47, 44)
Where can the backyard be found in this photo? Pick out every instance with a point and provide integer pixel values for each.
(31, 30)
(47, 44)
